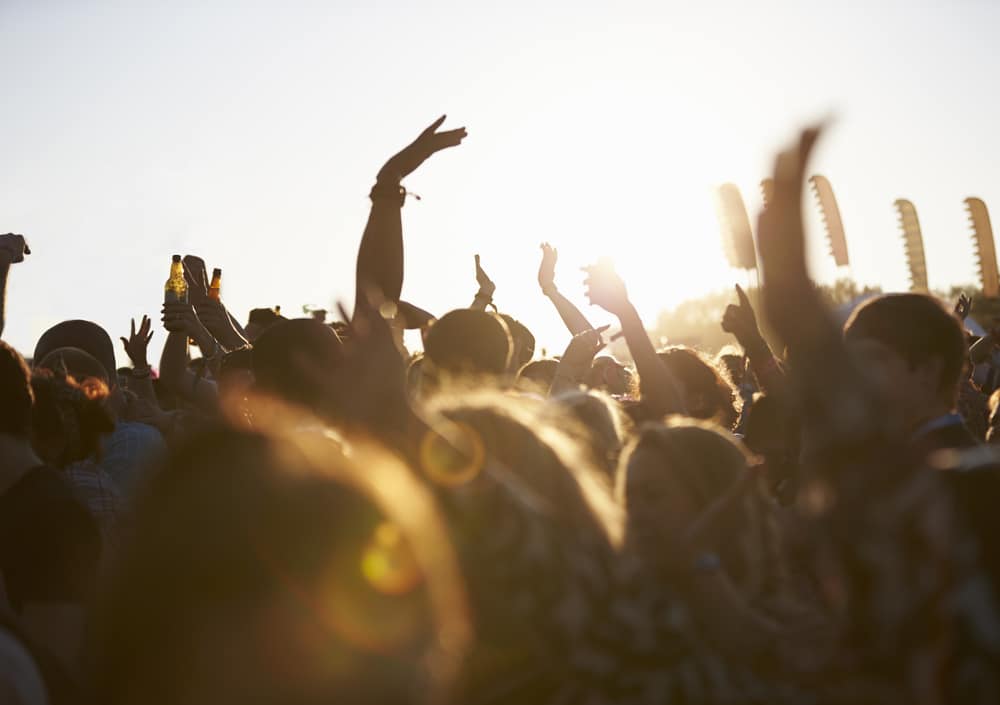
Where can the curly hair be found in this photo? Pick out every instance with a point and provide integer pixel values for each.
(709, 396)
(68, 417)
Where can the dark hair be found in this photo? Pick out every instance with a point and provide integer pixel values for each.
(916, 327)
(85, 335)
(290, 357)
(16, 396)
(264, 317)
(522, 340)
(537, 375)
(701, 381)
(468, 342)
(68, 418)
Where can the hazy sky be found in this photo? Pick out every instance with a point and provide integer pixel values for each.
(250, 133)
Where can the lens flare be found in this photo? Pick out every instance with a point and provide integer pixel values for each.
(387, 562)
(453, 461)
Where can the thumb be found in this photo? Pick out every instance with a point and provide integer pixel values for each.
(603, 328)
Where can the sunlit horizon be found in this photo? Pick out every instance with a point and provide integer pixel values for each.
(250, 136)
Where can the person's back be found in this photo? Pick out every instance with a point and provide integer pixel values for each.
(49, 544)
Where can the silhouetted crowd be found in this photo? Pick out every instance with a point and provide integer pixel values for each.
(308, 513)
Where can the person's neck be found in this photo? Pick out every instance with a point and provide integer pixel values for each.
(16, 458)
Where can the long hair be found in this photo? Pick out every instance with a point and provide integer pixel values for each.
(69, 417)
(703, 463)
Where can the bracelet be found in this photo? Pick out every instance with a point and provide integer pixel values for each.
(141, 372)
(383, 191)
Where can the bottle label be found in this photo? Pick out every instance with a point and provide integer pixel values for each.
(172, 297)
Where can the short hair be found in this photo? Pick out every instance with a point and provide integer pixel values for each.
(85, 335)
(288, 356)
(465, 341)
(521, 339)
(16, 396)
(916, 327)
(264, 317)
(538, 375)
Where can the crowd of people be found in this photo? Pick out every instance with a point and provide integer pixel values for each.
(310, 513)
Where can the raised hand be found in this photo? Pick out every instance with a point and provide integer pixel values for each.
(13, 248)
(196, 277)
(486, 285)
(181, 318)
(963, 306)
(417, 152)
(547, 269)
(606, 289)
(137, 343)
(215, 318)
(781, 235)
(740, 320)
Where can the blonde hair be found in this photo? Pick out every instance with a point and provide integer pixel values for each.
(536, 444)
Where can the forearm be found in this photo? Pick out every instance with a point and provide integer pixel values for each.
(173, 363)
(4, 272)
(142, 387)
(571, 316)
(657, 386)
(380, 256)
(765, 366)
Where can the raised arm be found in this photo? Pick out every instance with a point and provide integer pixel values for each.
(571, 316)
(577, 360)
(136, 346)
(740, 320)
(181, 322)
(660, 392)
(380, 257)
(12, 250)
(484, 296)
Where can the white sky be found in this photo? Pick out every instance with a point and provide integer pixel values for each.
(250, 134)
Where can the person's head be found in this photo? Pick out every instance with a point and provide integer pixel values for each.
(608, 375)
(537, 376)
(669, 476)
(16, 396)
(68, 418)
(235, 376)
(465, 343)
(914, 350)
(772, 433)
(291, 357)
(84, 335)
(707, 395)
(535, 443)
(291, 573)
(522, 342)
(733, 363)
(603, 426)
(260, 320)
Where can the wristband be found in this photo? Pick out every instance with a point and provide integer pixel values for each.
(383, 191)
(141, 372)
